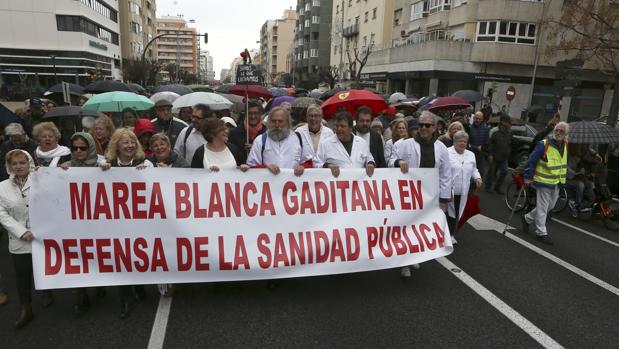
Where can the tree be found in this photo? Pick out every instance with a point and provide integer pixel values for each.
(589, 30)
(330, 74)
(173, 71)
(357, 59)
(143, 72)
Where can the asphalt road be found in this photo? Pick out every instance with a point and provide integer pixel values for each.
(375, 309)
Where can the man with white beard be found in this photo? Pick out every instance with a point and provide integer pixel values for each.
(280, 147)
(314, 132)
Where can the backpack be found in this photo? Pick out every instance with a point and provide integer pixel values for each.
(264, 144)
(189, 130)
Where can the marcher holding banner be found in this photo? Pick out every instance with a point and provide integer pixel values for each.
(280, 147)
(425, 151)
(14, 217)
(163, 155)
(218, 153)
(344, 149)
(314, 132)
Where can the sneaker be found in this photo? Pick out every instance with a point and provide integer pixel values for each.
(405, 272)
(453, 240)
(573, 208)
(545, 239)
(525, 224)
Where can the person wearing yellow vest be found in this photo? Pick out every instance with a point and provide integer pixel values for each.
(547, 170)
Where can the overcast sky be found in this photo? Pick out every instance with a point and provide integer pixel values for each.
(232, 25)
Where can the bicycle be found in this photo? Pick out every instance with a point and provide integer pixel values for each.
(527, 198)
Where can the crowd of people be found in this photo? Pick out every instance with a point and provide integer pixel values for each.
(460, 146)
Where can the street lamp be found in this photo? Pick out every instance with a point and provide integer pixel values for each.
(53, 57)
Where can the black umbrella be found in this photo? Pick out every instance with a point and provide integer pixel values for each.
(74, 89)
(176, 88)
(469, 95)
(592, 132)
(101, 86)
(137, 88)
(70, 111)
(225, 88)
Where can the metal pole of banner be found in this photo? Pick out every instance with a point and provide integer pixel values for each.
(246, 117)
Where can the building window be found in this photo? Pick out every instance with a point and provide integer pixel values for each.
(307, 23)
(316, 3)
(315, 19)
(314, 53)
(349, 3)
(372, 37)
(102, 9)
(419, 10)
(135, 27)
(136, 47)
(337, 9)
(305, 54)
(397, 17)
(505, 31)
(83, 25)
(134, 8)
(439, 5)
(374, 11)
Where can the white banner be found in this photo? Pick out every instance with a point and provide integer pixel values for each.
(127, 226)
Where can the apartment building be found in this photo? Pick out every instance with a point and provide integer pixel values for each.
(312, 45)
(182, 47)
(44, 42)
(441, 46)
(362, 24)
(137, 27)
(276, 39)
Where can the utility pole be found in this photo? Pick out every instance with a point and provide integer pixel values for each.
(536, 60)
(342, 47)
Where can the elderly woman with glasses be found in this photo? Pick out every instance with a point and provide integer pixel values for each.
(463, 171)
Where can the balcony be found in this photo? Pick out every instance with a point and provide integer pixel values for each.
(351, 30)
(521, 11)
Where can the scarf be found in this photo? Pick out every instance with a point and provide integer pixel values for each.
(50, 158)
(253, 131)
(91, 159)
(426, 148)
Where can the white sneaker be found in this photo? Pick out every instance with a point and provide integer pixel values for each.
(415, 266)
(453, 240)
(405, 272)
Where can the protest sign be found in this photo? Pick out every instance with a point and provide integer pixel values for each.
(248, 74)
(126, 226)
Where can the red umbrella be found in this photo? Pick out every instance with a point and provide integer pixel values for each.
(449, 103)
(351, 100)
(253, 91)
(470, 209)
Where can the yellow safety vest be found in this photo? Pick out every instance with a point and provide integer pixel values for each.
(551, 168)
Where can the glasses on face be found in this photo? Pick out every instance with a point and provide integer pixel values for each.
(163, 108)
(559, 131)
(80, 148)
(425, 125)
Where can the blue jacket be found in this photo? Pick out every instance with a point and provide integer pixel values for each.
(536, 155)
(479, 134)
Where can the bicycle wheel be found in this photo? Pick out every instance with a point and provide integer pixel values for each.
(611, 221)
(561, 203)
(511, 197)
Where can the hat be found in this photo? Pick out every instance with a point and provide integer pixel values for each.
(143, 126)
(163, 103)
(36, 103)
(413, 124)
(376, 123)
(88, 122)
(228, 120)
(14, 129)
(505, 118)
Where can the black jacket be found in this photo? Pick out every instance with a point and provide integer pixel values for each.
(174, 160)
(239, 154)
(500, 145)
(171, 128)
(238, 136)
(377, 148)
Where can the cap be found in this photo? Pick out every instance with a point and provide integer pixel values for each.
(163, 103)
(228, 120)
(14, 129)
(36, 103)
(376, 123)
(413, 124)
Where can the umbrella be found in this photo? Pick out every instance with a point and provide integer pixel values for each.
(351, 100)
(176, 88)
(74, 89)
(70, 111)
(396, 97)
(213, 100)
(200, 88)
(7, 116)
(448, 103)
(253, 91)
(238, 102)
(469, 95)
(117, 102)
(137, 88)
(330, 93)
(165, 95)
(277, 92)
(102, 86)
(304, 102)
(406, 106)
(470, 209)
(425, 100)
(315, 93)
(278, 101)
(225, 88)
(592, 132)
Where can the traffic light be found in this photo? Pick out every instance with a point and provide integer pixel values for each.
(205, 38)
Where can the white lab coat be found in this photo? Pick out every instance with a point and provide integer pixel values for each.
(325, 133)
(288, 153)
(14, 214)
(333, 152)
(194, 141)
(466, 168)
(409, 151)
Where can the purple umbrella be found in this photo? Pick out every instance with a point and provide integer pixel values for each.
(277, 101)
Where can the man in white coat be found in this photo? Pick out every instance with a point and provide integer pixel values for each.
(344, 149)
(280, 147)
(425, 151)
(314, 132)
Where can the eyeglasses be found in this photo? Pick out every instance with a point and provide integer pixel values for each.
(426, 125)
(163, 108)
(77, 147)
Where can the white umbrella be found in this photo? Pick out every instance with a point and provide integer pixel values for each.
(396, 97)
(213, 100)
(165, 95)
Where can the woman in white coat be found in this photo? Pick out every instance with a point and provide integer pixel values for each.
(463, 171)
(14, 193)
(344, 149)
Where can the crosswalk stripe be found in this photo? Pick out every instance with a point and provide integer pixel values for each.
(586, 232)
(527, 326)
(157, 334)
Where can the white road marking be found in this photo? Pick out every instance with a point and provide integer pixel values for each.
(527, 326)
(157, 334)
(586, 232)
